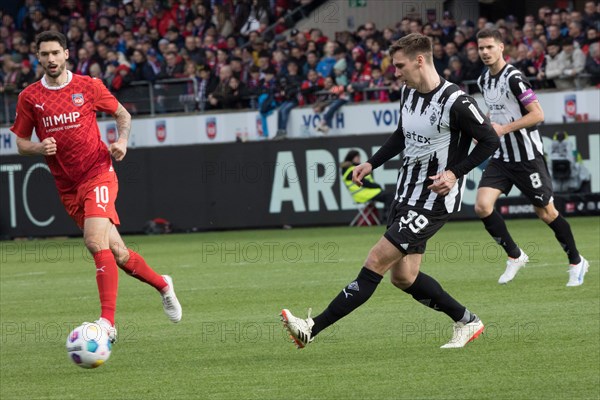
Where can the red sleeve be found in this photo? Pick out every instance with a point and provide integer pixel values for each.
(103, 99)
(24, 123)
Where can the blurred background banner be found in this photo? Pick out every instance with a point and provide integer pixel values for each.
(258, 184)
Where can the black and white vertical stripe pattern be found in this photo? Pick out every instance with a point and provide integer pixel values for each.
(500, 93)
(428, 141)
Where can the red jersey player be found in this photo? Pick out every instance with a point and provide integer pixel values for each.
(61, 107)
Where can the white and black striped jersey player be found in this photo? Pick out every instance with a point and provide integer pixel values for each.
(520, 158)
(434, 134)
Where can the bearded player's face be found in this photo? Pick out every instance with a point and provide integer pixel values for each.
(53, 58)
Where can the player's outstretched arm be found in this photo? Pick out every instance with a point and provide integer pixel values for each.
(119, 148)
(46, 147)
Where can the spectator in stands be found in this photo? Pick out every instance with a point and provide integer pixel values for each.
(335, 98)
(537, 54)
(544, 14)
(297, 55)
(237, 96)
(455, 72)
(293, 71)
(259, 14)
(172, 68)
(269, 99)
(440, 59)
(27, 75)
(299, 39)
(473, 67)
(361, 77)
(141, 68)
(162, 20)
(12, 73)
(325, 65)
(222, 59)
(95, 72)
(468, 29)
(279, 62)
(311, 85)
(591, 37)
(552, 67)
(326, 98)
(571, 64)
(121, 79)
(378, 81)
(340, 74)
(222, 20)
(194, 52)
(448, 28)
(592, 64)
(312, 46)
(576, 33)
(289, 88)
(312, 59)
(223, 89)
(389, 35)
(254, 85)
(153, 61)
(237, 67)
(528, 35)
(540, 30)
(460, 42)
(591, 17)
(553, 32)
(207, 83)
(376, 57)
(523, 63)
(451, 49)
(316, 36)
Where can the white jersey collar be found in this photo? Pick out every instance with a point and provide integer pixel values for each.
(45, 83)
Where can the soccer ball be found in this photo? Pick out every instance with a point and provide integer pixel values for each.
(88, 345)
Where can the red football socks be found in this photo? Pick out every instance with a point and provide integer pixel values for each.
(107, 278)
(136, 266)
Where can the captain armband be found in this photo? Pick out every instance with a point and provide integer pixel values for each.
(527, 97)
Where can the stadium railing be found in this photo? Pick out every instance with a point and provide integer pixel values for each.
(180, 95)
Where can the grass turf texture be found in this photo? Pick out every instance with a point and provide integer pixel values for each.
(542, 338)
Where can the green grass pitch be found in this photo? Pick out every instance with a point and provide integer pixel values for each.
(542, 339)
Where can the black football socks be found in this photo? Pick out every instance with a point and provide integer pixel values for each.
(496, 227)
(564, 235)
(429, 292)
(350, 298)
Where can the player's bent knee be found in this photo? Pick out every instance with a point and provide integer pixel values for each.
(547, 214)
(93, 244)
(374, 262)
(483, 209)
(402, 282)
(121, 254)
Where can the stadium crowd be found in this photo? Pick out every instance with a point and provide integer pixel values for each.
(248, 53)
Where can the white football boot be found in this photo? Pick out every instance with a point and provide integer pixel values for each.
(464, 333)
(513, 265)
(170, 303)
(110, 329)
(577, 272)
(300, 330)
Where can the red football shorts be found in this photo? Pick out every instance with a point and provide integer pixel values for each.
(94, 198)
